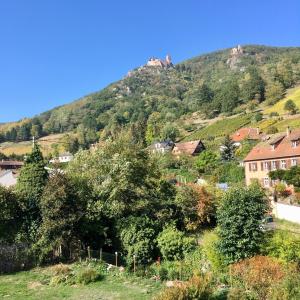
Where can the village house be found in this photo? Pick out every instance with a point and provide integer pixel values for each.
(63, 158)
(189, 148)
(161, 147)
(10, 165)
(279, 151)
(247, 133)
(8, 178)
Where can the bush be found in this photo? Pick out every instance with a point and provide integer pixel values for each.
(198, 287)
(173, 244)
(257, 274)
(272, 130)
(210, 251)
(283, 245)
(240, 215)
(288, 288)
(87, 275)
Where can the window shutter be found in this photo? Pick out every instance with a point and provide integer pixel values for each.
(250, 167)
(262, 166)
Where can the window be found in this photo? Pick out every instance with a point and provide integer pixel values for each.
(274, 165)
(266, 182)
(283, 164)
(254, 167)
(294, 162)
(294, 144)
(266, 166)
(273, 147)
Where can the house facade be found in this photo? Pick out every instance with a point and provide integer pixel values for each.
(63, 158)
(279, 151)
(161, 147)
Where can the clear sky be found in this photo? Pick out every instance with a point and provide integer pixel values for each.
(55, 51)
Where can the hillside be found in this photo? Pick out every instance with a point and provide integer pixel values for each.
(156, 101)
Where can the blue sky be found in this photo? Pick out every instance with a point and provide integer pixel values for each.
(55, 51)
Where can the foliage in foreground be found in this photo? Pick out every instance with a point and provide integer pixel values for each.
(239, 218)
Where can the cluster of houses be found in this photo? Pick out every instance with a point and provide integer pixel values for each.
(273, 152)
(10, 169)
(189, 148)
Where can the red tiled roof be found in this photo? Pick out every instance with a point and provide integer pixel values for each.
(246, 133)
(283, 147)
(187, 147)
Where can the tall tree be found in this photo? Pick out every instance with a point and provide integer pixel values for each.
(239, 218)
(227, 149)
(30, 186)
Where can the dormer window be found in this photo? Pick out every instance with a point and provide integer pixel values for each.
(273, 147)
(294, 144)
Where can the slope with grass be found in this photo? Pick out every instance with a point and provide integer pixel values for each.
(293, 94)
(34, 285)
(22, 148)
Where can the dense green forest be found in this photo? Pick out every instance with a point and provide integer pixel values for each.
(150, 100)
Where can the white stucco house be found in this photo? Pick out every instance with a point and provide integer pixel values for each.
(8, 178)
(63, 158)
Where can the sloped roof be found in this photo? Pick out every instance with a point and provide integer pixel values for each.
(246, 133)
(283, 147)
(11, 163)
(187, 147)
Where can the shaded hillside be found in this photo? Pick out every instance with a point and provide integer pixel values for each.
(152, 100)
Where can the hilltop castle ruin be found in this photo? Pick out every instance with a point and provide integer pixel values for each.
(156, 62)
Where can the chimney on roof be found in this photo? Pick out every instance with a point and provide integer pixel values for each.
(257, 130)
(288, 131)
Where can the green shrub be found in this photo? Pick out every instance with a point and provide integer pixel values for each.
(283, 245)
(209, 244)
(173, 244)
(288, 288)
(87, 275)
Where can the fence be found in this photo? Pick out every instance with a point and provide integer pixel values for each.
(18, 257)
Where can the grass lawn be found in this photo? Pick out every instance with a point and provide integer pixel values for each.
(288, 226)
(34, 284)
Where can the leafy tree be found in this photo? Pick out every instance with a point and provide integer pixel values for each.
(253, 86)
(173, 244)
(138, 235)
(206, 161)
(227, 150)
(227, 97)
(62, 208)
(274, 92)
(290, 106)
(169, 132)
(239, 217)
(10, 215)
(197, 206)
(258, 117)
(230, 172)
(121, 174)
(30, 186)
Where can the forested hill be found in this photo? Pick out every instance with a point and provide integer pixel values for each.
(152, 99)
